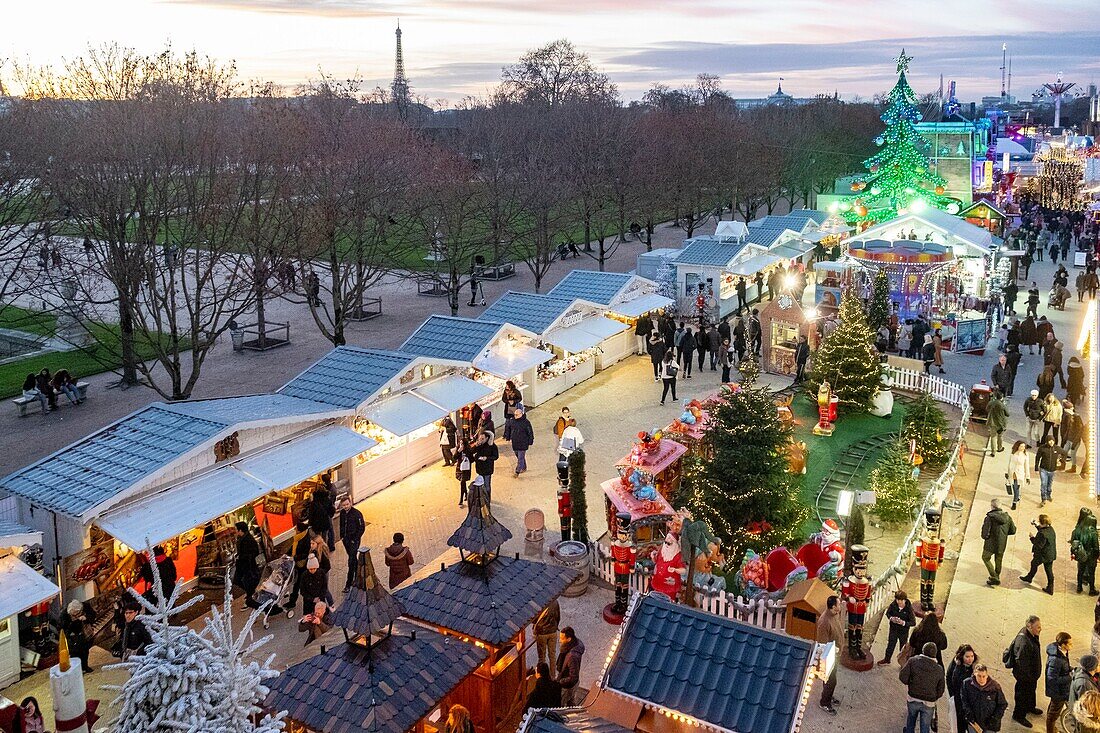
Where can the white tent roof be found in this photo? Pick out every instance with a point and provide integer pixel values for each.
(13, 534)
(731, 229)
(642, 304)
(403, 413)
(572, 339)
(958, 233)
(508, 361)
(21, 587)
(753, 265)
(452, 392)
(300, 458)
(603, 326)
(1010, 146)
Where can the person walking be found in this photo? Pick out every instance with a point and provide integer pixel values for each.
(1033, 411)
(1080, 284)
(569, 666)
(1073, 431)
(1044, 551)
(1000, 376)
(830, 628)
(1058, 673)
(399, 559)
(937, 345)
(702, 345)
(1053, 356)
(997, 422)
(1092, 282)
(1029, 334)
(900, 615)
(1046, 463)
(463, 463)
(687, 351)
(1012, 361)
(523, 437)
(801, 357)
(756, 337)
(739, 340)
(320, 514)
(1075, 381)
(448, 431)
(997, 527)
(486, 456)
(352, 526)
(1052, 417)
(546, 632)
(924, 683)
(725, 359)
(657, 350)
(1084, 548)
(1024, 659)
(669, 370)
(714, 346)
(1033, 300)
(928, 353)
(958, 671)
(983, 702)
(565, 419)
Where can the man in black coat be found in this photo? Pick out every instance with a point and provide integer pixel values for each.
(724, 329)
(320, 515)
(246, 573)
(1001, 376)
(801, 356)
(996, 529)
(352, 526)
(485, 457)
(642, 329)
(1025, 659)
(1044, 551)
(741, 292)
(1012, 361)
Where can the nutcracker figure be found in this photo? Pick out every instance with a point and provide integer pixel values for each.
(929, 555)
(856, 592)
(623, 554)
(565, 502)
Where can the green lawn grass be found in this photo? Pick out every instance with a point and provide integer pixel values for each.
(98, 357)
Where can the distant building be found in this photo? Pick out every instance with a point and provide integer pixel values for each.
(779, 98)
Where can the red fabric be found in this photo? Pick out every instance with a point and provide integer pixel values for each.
(856, 594)
(930, 554)
(665, 578)
(624, 556)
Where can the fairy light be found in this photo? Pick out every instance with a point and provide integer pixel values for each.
(1087, 343)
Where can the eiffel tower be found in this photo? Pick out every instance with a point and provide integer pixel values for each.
(400, 86)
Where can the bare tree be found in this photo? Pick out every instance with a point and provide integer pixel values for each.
(554, 74)
(24, 202)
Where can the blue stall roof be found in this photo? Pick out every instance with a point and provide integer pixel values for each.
(794, 220)
(348, 376)
(768, 234)
(734, 676)
(106, 463)
(450, 337)
(534, 311)
(593, 286)
(709, 251)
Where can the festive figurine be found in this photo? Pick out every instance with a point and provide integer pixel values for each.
(856, 592)
(823, 555)
(929, 555)
(752, 577)
(668, 575)
(640, 486)
(783, 569)
(826, 410)
(695, 539)
(623, 554)
(565, 502)
(705, 579)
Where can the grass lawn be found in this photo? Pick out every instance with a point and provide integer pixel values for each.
(823, 452)
(98, 357)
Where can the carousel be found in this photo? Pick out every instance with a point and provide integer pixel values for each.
(918, 272)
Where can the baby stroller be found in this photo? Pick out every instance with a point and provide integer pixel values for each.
(1059, 294)
(275, 586)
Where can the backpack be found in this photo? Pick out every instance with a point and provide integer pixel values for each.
(1008, 658)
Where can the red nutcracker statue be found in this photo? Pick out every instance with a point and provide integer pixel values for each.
(856, 592)
(565, 502)
(826, 410)
(623, 554)
(929, 555)
(670, 570)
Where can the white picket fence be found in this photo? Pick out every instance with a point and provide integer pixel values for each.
(769, 614)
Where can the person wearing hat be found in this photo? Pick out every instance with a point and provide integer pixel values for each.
(76, 622)
(314, 586)
(1083, 679)
(246, 573)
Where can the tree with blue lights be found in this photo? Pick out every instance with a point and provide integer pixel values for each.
(899, 177)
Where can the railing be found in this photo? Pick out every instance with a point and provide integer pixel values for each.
(770, 614)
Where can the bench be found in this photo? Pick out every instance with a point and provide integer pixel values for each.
(22, 403)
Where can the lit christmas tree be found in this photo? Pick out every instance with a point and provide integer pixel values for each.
(878, 312)
(848, 360)
(897, 492)
(925, 423)
(745, 492)
(900, 177)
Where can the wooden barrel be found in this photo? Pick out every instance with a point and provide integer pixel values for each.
(575, 555)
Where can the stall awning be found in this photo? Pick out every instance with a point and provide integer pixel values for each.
(183, 507)
(453, 392)
(300, 458)
(21, 587)
(603, 326)
(572, 339)
(508, 361)
(13, 534)
(403, 413)
(643, 304)
(753, 265)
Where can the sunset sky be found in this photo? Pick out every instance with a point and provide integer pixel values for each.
(456, 47)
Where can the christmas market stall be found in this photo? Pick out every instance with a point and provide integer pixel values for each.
(675, 669)
(180, 475)
(387, 675)
(489, 601)
(830, 279)
(622, 297)
(712, 267)
(985, 214)
(782, 321)
(25, 597)
(399, 401)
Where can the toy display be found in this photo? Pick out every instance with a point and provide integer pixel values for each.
(669, 570)
(565, 501)
(826, 409)
(856, 592)
(623, 554)
(929, 556)
(823, 555)
(783, 569)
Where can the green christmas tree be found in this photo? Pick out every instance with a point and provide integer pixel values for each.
(848, 360)
(854, 534)
(900, 177)
(745, 492)
(926, 424)
(878, 312)
(897, 493)
(578, 497)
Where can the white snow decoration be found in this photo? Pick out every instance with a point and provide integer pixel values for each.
(191, 680)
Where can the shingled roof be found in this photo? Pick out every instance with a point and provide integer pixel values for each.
(337, 691)
(368, 608)
(534, 311)
(348, 376)
(480, 533)
(489, 602)
(734, 676)
(450, 337)
(568, 721)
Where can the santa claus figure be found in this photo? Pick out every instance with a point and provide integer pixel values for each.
(668, 575)
(823, 555)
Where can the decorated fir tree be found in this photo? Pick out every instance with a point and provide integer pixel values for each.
(897, 492)
(900, 177)
(926, 424)
(749, 368)
(745, 492)
(878, 311)
(577, 496)
(848, 360)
